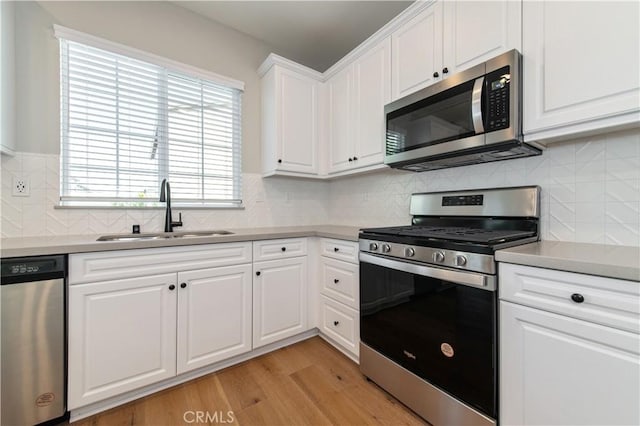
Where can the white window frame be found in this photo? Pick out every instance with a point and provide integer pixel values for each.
(61, 32)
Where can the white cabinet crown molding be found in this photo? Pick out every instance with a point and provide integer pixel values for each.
(274, 59)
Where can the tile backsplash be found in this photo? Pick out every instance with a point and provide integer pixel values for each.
(268, 202)
(590, 189)
(590, 193)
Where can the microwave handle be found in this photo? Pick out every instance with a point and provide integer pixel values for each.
(476, 105)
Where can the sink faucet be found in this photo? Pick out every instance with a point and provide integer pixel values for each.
(165, 196)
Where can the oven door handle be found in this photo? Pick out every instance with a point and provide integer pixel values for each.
(485, 282)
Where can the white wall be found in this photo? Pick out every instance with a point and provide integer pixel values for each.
(7, 75)
(590, 189)
(161, 28)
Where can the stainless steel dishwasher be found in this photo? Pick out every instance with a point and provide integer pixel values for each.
(33, 340)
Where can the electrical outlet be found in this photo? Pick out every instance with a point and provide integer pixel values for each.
(20, 186)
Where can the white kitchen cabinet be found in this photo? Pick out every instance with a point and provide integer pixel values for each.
(122, 335)
(564, 359)
(417, 52)
(340, 126)
(214, 315)
(339, 300)
(129, 328)
(450, 36)
(279, 299)
(289, 120)
(475, 31)
(356, 98)
(583, 77)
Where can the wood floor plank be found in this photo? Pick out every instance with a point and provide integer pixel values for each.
(309, 383)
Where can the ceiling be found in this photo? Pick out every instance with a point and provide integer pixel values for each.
(314, 33)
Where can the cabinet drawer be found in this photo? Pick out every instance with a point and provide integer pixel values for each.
(109, 265)
(279, 249)
(340, 249)
(340, 323)
(606, 301)
(340, 281)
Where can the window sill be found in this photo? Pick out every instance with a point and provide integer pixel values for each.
(173, 207)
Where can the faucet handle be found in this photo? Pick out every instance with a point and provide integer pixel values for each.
(179, 222)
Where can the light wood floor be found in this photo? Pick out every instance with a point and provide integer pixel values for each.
(309, 383)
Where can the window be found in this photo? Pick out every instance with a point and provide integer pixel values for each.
(127, 124)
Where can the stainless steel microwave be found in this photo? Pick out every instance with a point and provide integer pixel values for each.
(474, 116)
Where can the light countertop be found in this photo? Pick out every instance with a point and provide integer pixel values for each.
(37, 246)
(594, 259)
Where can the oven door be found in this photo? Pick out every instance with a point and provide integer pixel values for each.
(437, 323)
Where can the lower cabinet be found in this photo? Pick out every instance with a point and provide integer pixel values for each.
(122, 335)
(279, 299)
(126, 332)
(339, 303)
(340, 323)
(572, 366)
(214, 315)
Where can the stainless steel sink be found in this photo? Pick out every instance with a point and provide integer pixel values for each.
(162, 235)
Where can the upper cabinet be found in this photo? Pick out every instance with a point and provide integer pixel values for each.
(289, 118)
(356, 97)
(451, 36)
(582, 78)
(417, 52)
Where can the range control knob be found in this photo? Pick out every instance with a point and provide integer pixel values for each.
(386, 248)
(438, 256)
(373, 246)
(409, 252)
(461, 260)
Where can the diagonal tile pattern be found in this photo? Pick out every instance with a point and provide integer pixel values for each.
(590, 193)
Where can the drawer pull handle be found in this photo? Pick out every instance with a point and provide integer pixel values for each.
(336, 281)
(336, 249)
(283, 249)
(336, 323)
(577, 297)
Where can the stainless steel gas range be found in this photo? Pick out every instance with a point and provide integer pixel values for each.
(428, 300)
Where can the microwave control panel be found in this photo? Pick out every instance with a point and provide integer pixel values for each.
(497, 98)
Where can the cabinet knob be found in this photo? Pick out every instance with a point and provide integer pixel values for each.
(336, 281)
(279, 160)
(172, 287)
(336, 323)
(350, 159)
(436, 74)
(577, 297)
(336, 249)
(183, 285)
(258, 273)
(355, 158)
(283, 249)
(445, 70)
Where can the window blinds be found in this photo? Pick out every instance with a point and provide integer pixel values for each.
(127, 124)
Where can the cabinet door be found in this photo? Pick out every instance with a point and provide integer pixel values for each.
(417, 52)
(122, 336)
(562, 371)
(372, 76)
(297, 99)
(214, 315)
(339, 92)
(279, 299)
(587, 71)
(475, 31)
